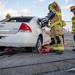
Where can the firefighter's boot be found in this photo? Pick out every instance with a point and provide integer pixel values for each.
(59, 52)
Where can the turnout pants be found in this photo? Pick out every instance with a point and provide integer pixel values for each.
(56, 38)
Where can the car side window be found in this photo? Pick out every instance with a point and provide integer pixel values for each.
(39, 22)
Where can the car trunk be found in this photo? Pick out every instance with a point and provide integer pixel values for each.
(12, 25)
(9, 27)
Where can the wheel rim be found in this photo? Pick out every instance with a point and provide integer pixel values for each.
(39, 45)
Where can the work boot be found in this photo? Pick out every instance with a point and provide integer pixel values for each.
(59, 52)
(52, 51)
(73, 50)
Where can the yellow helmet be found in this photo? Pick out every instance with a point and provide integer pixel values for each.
(8, 16)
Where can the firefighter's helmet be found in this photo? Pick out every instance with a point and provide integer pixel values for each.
(8, 16)
(72, 8)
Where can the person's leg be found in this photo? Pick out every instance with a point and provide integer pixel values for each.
(52, 37)
(53, 40)
(59, 39)
(60, 46)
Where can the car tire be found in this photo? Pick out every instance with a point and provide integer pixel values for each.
(38, 46)
(2, 48)
(28, 49)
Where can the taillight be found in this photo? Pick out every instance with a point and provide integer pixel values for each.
(24, 27)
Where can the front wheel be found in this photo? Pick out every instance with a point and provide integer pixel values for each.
(38, 46)
(2, 48)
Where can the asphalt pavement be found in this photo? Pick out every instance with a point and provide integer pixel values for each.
(27, 63)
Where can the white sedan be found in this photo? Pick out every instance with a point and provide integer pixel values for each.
(23, 32)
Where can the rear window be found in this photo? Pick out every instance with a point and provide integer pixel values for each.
(23, 19)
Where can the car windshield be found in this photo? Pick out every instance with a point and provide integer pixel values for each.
(18, 19)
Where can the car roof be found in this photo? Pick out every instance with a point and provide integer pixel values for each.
(28, 18)
(22, 17)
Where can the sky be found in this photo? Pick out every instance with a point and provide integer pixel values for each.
(37, 8)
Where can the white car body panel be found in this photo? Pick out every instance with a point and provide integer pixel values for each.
(11, 36)
(46, 35)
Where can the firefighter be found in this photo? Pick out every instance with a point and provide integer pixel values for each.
(8, 16)
(55, 18)
(72, 9)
